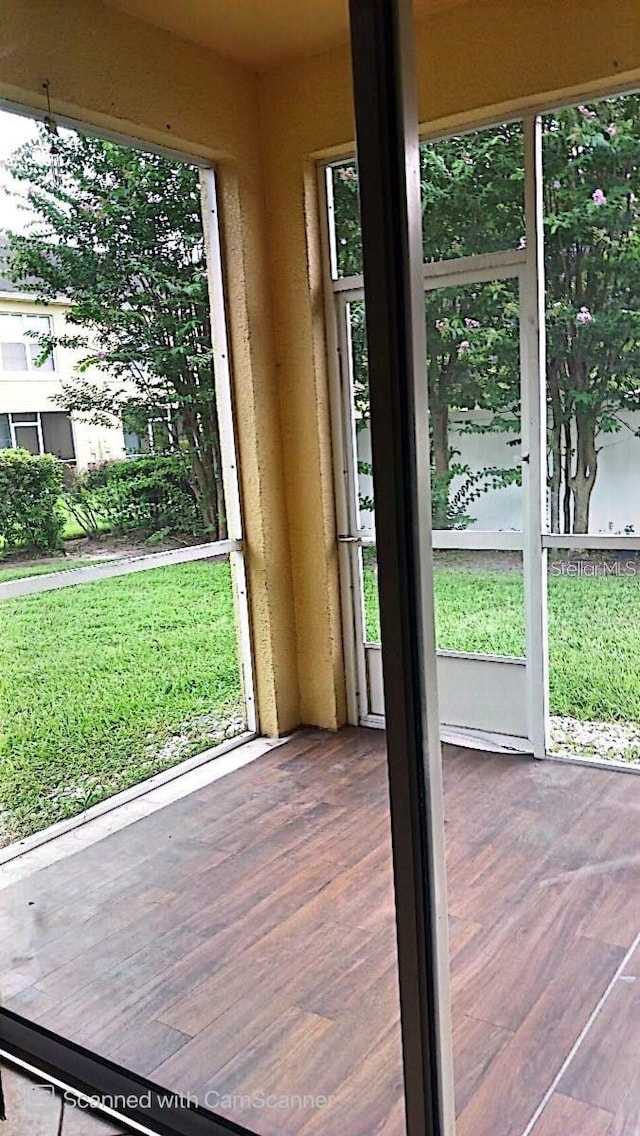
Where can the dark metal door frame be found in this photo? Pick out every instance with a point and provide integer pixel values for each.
(35, 1049)
(388, 163)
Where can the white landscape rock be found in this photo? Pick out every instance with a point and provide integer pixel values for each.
(608, 741)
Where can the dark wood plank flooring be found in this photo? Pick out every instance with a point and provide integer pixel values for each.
(240, 943)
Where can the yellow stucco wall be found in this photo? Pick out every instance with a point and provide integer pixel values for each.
(475, 61)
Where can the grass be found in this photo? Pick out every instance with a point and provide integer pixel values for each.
(594, 633)
(72, 530)
(21, 571)
(104, 684)
(98, 681)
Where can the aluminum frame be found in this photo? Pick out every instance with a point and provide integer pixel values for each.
(387, 137)
(234, 545)
(534, 419)
(535, 541)
(72, 577)
(78, 1071)
(507, 266)
(524, 265)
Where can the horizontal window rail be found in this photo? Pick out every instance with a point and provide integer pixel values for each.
(506, 259)
(444, 653)
(507, 541)
(68, 577)
(489, 265)
(604, 541)
(511, 541)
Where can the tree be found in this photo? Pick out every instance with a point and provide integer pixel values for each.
(472, 199)
(472, 365)
(472, 202)
(592, 266)
(119, 234)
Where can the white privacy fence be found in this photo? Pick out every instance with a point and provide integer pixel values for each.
(615, 503)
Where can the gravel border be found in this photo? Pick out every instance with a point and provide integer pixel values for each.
(607, 741)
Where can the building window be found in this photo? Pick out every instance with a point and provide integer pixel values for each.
(5, 432)
(27, 433)
(57, 435)
(156, 433)
(39, 432)
(19, 350)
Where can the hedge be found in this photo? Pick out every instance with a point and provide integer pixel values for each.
(31, 517)
(151, 495)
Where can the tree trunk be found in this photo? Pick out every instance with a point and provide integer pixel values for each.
(440, 457)
(556, 451)
(566, 497)
(586, 469)
(206, 495)
(203, 444)
(216, 465)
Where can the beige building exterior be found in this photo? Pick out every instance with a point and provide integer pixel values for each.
(29, 414)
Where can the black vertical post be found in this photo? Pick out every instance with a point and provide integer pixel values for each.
(388, 162)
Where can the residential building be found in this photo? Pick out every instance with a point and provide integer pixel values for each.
(30, 416)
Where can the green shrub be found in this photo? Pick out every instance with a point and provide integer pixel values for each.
(151, 495)
(83, 504)
(30, 514)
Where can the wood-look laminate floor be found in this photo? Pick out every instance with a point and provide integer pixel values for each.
(240, 943)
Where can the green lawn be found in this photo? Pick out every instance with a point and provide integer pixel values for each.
(103, 684)
(594, 633)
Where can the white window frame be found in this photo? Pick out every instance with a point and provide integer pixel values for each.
(234, 545)
(527, 266)
(36, 420)
(33, 421)
(28, 342)
(166, 417)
